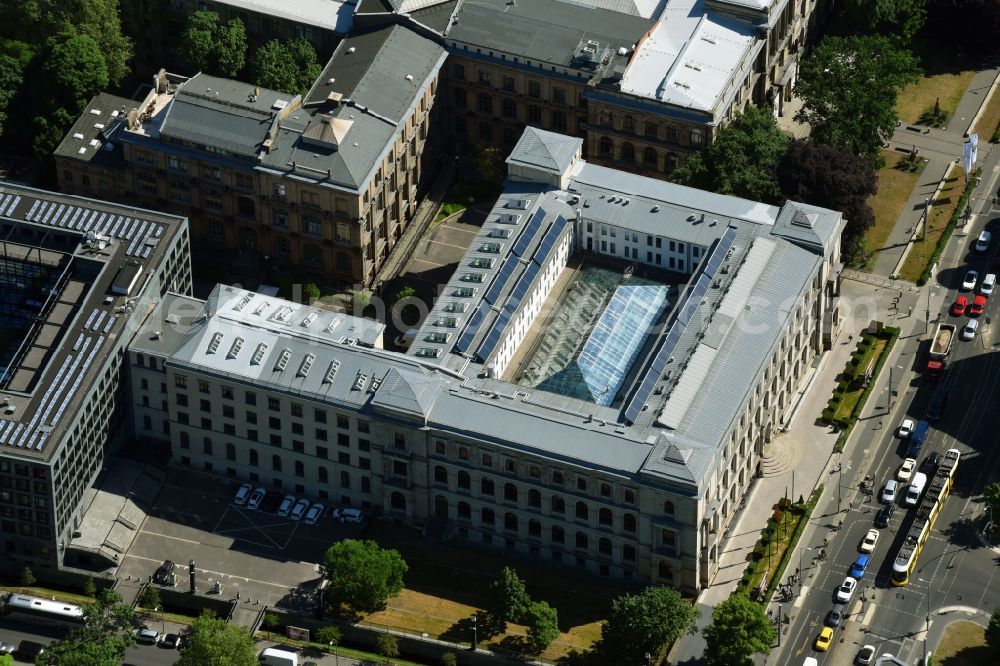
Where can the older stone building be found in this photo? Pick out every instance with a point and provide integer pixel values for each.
(325, 183)
(609, 417)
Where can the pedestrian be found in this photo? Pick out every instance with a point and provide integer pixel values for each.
(909, 311)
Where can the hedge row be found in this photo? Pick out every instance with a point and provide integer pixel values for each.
(854, 371)
(803, 521)
(956, 215)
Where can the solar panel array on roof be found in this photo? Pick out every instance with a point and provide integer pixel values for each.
(718, 254)
(500, 280)
(693, 299)
(528, 232)
(8, 205)
(492, 338)
(550, 238)
(523, 284)
(78, 218)
(654, 372)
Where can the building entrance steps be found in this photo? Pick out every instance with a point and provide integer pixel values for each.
(131, 515)
(779, 456)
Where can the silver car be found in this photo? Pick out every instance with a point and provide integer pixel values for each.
(969, 330)
(299, 509)
(286, 506)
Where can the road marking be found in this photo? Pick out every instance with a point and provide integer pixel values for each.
(218, 573)
(867, 620)
(169, 536)
(457, 247)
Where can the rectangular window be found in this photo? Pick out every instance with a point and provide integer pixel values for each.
(534, 89)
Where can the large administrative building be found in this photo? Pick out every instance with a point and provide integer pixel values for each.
(593, 386)
(78, 277)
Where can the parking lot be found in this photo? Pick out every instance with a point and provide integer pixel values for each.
(193, 518)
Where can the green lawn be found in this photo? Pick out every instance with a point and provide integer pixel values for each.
(849, 402)
(947, 200)
(964, 644)
(894, 188)
(947, 88)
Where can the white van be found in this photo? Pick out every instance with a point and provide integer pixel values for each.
(916, 487)
(276, 657)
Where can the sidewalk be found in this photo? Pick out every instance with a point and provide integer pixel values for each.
(805, 449)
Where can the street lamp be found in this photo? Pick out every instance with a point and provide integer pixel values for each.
(927, 619)
(800, 568)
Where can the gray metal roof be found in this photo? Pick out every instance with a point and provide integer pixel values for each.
(546, 150)
(86, 139)
(222, 114)
(543, 31)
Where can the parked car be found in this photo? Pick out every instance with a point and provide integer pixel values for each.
(314, 513)
(905, 470)
(905, 428)
(165, 575)
(824, 639)
(865, 656)
(147, 636)
(299, 509)
(930, 464)
(846, 589)
(884, 515)
(889, 492)
(970, 280)
(869, 542)
(978, 305)
(242, 494)
(171, 642)
(348, 515)
(29, 650)
(286, 506)
(989, 282)
(969, 330)
(7, 648)
(256, 497)
(983, 242)
(958, 307)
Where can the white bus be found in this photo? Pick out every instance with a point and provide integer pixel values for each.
(41, 611)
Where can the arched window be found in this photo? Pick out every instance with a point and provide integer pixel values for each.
(650, 129)
(604, 517)
(300, 469)
(665, 571)
(230, 451)
(487, 517)
(604, 547)
(581, 511)
(463, 453)
(534, 529)
(345, 479)
(486, 487)
(558, 535)
(582, 541)
(628, 152)
(464, 512)
(628, 522)
(534, 499)
(558, 504)
(440, 474)
(649, 156)
(464, 481)
(276, 463)
(509, 492)
(397, 501)
(321, 472)
(607, 120)
(253, 458)
(510, 522)
(628, 553)
(605, 147)
(668, 507)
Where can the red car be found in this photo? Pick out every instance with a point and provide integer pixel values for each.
(977, 306)
(958, 307)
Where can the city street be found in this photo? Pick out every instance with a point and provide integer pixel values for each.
(955, 575)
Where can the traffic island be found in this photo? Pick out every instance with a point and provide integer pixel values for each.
(855, 384)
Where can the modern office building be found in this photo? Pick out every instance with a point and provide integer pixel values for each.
(593, 386)
(78, 276)
(325, 184)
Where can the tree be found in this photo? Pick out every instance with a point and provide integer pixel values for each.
(208, 45)
(328, 635)
(506, 599)
(11, 77)
(405, 292)
(287, 66)
(35, 20)
(311, 292)
(387, 646)
(216, 642)
(848, 89)
(834, 178)
(150, 597)
(449, 659)
(645, 622)
(6, 660)
(89, 587)
(898, 19)
(363, 575)
(993, 630)
(74, 69)
(27, 577)
(543, 625)
(741, 161)
(102, 640)
(271, 621)
(739, 630)
(991, 495)
(489, 163)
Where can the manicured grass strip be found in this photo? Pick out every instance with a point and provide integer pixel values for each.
(954, 198)
(894, 188)
(917, 98)
(988, 125)
(964, 644)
